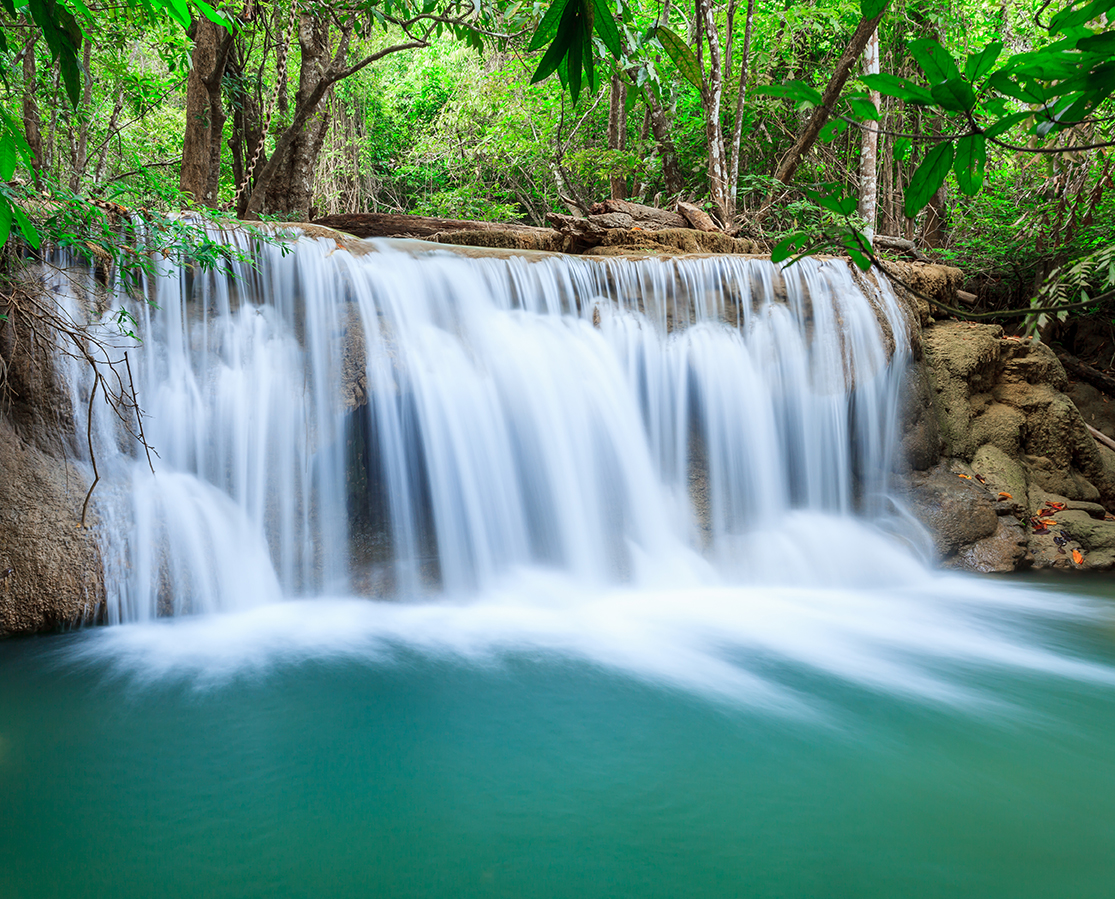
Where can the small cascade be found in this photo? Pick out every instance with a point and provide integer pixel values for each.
(390, 422)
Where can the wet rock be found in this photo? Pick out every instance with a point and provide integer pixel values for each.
(1004, 551)
(957, 511)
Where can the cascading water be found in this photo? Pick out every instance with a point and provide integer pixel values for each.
(398, 422)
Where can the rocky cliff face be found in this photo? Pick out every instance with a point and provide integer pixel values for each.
(50, 567)
(1003, 469)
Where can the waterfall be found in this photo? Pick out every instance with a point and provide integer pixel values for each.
(386, 421)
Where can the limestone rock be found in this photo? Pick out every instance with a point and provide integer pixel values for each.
(1002, 473)
(1004, 551)
(957, 511)
(53, 568)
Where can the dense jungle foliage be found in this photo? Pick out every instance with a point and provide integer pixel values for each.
(982, 132)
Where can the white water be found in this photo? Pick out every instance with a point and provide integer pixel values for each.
(674, 469)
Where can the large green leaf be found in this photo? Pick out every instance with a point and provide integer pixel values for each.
(605, 26)
(28, 230)
(864, 107)
(871, 8)
(955, 95)
(788, 246)
(5, 220)
(979, 64)
(682, 55)
(548, 28)
(934, 60)
(1079, 14)
(902, 88)
(928, 177)
(567, 30)
(574, 58)
(1006, 123)
(971, 160)
(8, 157)
(793, 90)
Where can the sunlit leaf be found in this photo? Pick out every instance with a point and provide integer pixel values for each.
(971, 160)
(928, 177)
(682, 55)
(934, 60)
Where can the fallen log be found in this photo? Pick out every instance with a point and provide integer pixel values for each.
(392, 224)
(697, 218)
(886, 242)
(650, 218)
(1100, 437)
(1086, 372)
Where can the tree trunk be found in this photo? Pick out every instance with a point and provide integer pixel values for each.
(808, 136)
(79, 142)
(205, 117)
(712, 92)
(291, 188)
(617, 131)
(741, 100)
(660, 128)
(32, 121)
(869, 148)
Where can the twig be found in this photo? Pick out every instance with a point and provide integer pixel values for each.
(89, 437)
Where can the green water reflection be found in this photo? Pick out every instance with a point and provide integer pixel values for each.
(541, 777)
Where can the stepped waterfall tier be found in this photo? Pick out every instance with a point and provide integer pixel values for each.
(400, 423)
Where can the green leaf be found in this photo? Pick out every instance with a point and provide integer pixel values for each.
(903, 148)
(548, 28)
(179, 10)
(934, 60)
(576, 49)
(8, 157)
(684, 57)
(787, 247)
(928, 177)
(834, 201)
(979, 64)
(902, 88)
(560, 47)
(871, 8)
(971, 160)
(854, 244)
(29, 233)
(1006, 123)
(793, 90)
(1102, 44)
(1074, 15)
(864, 108)
(832, 129)
(5, 220)
(605, 26)
(955, 95)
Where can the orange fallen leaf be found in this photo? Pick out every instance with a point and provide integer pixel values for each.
(1077, 556)
(1048, 522)
(966, 477)
(1005, 496)
(1058, 506)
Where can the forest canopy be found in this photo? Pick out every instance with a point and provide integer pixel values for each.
(978, 132)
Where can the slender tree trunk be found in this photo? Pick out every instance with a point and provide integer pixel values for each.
(32, 121)
(741, 100)
(869, 147)
(617, 131)
(711, 96)
(79, 141)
